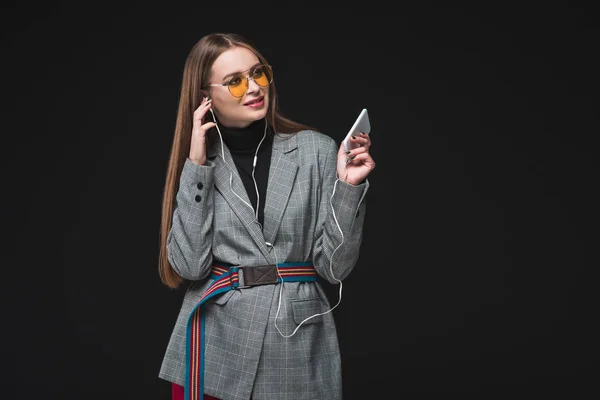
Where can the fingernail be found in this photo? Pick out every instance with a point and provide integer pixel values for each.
(353, 137)
(347, 152)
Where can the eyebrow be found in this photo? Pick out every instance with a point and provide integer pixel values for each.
(239, 72)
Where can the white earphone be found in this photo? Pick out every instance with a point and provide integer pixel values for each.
(330, 270)
(231, 170)
(270, 244)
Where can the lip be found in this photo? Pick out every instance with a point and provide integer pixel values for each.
(256, 102)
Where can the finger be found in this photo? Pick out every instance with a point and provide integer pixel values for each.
(203, 103)
(361, 158)
(201, 111)
(357, 150)
(206, 102)
(367, 137)
(361, 139)
(207, 126)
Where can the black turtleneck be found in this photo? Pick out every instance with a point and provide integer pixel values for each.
(242, 143)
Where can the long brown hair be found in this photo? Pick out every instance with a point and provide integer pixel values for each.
(196, 71)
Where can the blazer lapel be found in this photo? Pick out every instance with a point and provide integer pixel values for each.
(282, 174)
(235, 194)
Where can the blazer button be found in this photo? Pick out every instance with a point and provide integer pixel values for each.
(199, 185)
(197, 198)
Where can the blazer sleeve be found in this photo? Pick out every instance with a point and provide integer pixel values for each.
(341, 214)
(189, 242)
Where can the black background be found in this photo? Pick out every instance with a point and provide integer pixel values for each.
(480, 242)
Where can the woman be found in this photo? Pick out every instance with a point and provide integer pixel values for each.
(255, 206)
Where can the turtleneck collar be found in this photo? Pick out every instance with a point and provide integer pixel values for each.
(244, 140)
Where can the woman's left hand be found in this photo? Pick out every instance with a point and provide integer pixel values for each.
(354, 166)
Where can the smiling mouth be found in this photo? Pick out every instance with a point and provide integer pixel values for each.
(257, 100)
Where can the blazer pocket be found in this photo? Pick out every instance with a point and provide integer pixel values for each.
(304, 308)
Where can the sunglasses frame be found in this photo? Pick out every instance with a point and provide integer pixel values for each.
(247, 79)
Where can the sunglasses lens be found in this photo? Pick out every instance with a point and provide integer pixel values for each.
(238, 86)
(262, 76)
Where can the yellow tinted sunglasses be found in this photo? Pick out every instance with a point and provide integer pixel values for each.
(238, 84)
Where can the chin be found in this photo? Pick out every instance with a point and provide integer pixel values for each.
(258, 114)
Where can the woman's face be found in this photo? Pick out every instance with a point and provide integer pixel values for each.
(231, 111)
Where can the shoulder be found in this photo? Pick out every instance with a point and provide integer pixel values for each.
(307, 144)
(315, 138)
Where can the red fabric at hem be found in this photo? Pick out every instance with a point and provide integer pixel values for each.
(178, 392)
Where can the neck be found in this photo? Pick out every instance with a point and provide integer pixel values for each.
(244, 139)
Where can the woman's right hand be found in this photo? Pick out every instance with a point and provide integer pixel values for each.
(199, 129)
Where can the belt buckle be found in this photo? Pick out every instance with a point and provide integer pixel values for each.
(231, 272)
(261, 275)
(255, 276)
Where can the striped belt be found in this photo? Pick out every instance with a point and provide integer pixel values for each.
(225, 278)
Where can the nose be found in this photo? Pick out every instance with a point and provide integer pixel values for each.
(252, 86)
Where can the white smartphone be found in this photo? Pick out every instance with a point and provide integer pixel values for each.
(362, 124)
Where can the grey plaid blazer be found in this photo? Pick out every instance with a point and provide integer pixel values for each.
(245, 354)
